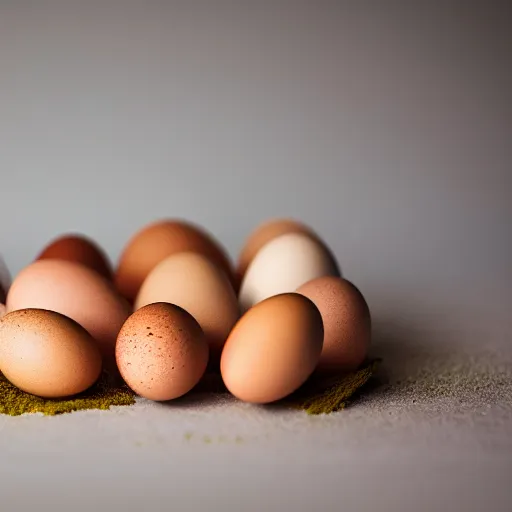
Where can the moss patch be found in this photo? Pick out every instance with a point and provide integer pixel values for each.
(323, 395)
(103, 395)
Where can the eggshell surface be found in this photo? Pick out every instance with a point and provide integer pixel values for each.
(161, 352)
(266, 232)
(346, 319)
(78, 249)
(47, 354)
(282, 265)
(75, 291)
(193, 282)
(156, 242)
(272, 349)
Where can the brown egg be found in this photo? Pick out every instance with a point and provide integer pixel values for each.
(5, 279)
(161, 352)
(47, 354)
(346, 319)
(78, 249)
(273, 349)
(75, 291)
(267, 232)
(158, 241)
(194, 283)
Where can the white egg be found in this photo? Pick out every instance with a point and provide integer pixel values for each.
(284, 264)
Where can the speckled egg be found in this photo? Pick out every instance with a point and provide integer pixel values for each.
(161, 351)
(47, 354)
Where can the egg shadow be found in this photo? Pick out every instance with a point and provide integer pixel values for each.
(406, 353)
(210, 390)
(400, 348)
(402, 351)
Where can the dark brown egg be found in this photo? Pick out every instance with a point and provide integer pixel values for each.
(78, 249)
(5, 280)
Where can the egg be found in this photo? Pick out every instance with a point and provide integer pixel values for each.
(5, 280)
(346, 319)
(282, 265)
(273, 349)
(47, 354)
(193, 282)
(266, 232)
(156, 242)
(78, 249)
(161, 352)
(2, 310)
(75, 291)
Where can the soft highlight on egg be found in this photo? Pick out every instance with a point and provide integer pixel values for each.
(159, 240)
(47, 354)
(273, 349)
(282, 265)
(193, 282)
(265, 233)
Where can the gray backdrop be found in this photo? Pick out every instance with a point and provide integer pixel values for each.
(384, 125)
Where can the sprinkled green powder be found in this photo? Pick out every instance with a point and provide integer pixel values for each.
(103, 395)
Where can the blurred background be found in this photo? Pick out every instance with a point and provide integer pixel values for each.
(386, 126)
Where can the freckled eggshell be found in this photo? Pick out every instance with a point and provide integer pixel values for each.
(75, 291)
(194, 283)
(47, 354)
(266, 232)
(78, 249)
(156, 242)
(346, 319)
(272, 349)
(161, 352)
(282, 265)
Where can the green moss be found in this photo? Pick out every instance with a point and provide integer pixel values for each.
(319, 395)
(103, 395)
(323, 395)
